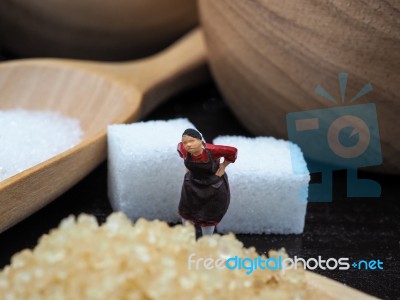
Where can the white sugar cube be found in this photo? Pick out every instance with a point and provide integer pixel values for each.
(269, 186)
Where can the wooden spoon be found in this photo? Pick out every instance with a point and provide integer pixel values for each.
(98, 94)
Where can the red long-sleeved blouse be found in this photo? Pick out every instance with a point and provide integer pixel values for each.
(227, 152)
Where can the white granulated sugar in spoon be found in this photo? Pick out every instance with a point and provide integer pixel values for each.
(28, 138)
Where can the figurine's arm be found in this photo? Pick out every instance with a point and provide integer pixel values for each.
(222, 167)
(227, 152)
(181, 150)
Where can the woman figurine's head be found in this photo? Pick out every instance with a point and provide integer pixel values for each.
(192, 141)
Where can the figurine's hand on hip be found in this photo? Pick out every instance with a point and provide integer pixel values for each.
(220, 171)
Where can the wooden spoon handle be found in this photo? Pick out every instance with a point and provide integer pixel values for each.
(321, 287)
(180, 66)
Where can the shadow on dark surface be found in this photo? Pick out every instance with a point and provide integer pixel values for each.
(347, 227)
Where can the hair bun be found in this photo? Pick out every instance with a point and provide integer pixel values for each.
(193, 133)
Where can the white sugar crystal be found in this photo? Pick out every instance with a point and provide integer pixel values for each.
(145, 172)
(269, 186)
(28, 138)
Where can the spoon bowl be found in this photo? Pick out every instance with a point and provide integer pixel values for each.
(97, 94)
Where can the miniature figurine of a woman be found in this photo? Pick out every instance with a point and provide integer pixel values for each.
(205, 192)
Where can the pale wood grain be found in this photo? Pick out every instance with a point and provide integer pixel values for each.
(269, 56)
(97, 94)
(320, 287)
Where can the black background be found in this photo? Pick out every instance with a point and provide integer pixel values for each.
(347, 227)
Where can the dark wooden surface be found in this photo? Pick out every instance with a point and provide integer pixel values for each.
(353, 228)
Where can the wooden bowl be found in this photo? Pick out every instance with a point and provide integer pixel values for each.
(90, 29)
(269, 56)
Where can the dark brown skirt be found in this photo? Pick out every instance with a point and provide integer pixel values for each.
(205, 200)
